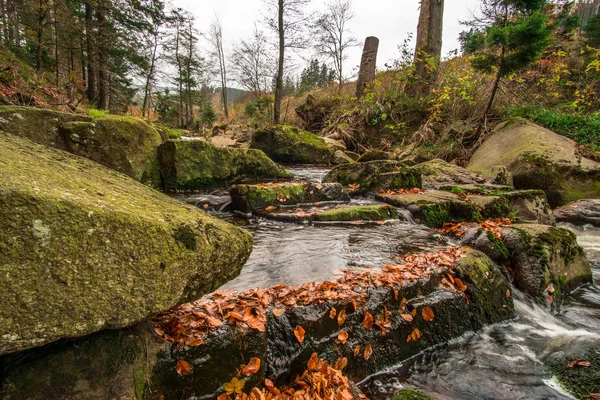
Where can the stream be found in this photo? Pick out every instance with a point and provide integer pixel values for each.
(503, 361)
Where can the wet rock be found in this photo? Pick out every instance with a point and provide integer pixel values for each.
(434, 207)
(337, 214)
(196, 164)
(545, 260)
(530, 205)
(577, 370)
(538, 158)
(135, 362)
(581, 212)
(341, 158)
(250, 198)
(84, 248)
(438, 173)
(411, 155)
(374, 155)
(374, 176)
(291, 145)
(485, 241)
(125, 144)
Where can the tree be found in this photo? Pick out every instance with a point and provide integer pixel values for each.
(215, 37)
(158, 19)
(509, 36)
(428, 50)
(287, 19)
(330, 29)
(251, 61)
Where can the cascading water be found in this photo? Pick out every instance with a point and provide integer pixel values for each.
(503, 361)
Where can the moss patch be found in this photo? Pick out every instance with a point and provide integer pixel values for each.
(579, 381)
(364, 213)
(408, 394)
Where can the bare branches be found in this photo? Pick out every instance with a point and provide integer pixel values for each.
(251, 63)
(215, 37)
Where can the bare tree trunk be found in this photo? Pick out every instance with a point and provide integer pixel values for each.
(55, 34)
(40, 33)
(149, 77)
(368, 65)
(429, 46)
(279, 78)
(103, 74)
(90, 50)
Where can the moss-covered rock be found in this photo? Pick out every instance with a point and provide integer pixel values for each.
(579, 381)
(196, 164)
(438, 173)
(374, 155)
(341, 158)
(85, 248)
(545, 257)
(434, 207)
(486, 286)
(337, 214)
(580, 213)
(538, 158)
(288, 144)
(125, 144)
(250, 198)
(375, 175)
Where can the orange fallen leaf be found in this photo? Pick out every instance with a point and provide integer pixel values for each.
(299, 333)
(368, 321)
(194, 342)
(252, 368)
(356, 350)
(579, 363)
(427, 314)
(507, 293)
(407, 317)
(313, 362)
(278, 312)
(550, 299)
(235, 386)
(183, 368)
(414, 335)
(343, 337)
(403, 304)
(368, 352)
(460, 285)
(206, 206)
(341, 318)
(332, 313)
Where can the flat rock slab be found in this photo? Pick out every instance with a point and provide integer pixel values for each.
(250, 198)
(438, 173)
(84, 248)
(196, 164)
(373, 213)
(581, 212)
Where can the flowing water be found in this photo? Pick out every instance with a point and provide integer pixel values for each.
(503, 361)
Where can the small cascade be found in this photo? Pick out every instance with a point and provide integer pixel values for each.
(406, 216)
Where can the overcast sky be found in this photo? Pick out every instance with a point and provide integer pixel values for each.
(389, 20)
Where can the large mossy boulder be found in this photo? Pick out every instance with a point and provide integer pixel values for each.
(251, 198)
(538, 158)
(287, 144)
(374, 176)
(545, 260)
(125, 144)
(196, 164)
(85, 248)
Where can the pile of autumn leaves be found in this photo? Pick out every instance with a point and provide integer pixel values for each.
(189, 324)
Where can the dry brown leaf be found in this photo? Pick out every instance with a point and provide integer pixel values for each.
(299, 333)
(252, 368)
(368, 321)
(183, 368)
(356, 350)
(278, 312)
(341, 318)
(332, 313)
(407, 317)
(414, 336)
(427, 314)
(368, 352)
(343, 337)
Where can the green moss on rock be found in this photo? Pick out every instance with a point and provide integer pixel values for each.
(578, 381)
(408, 394)
(375, 175)
(196, 164)
(289, 144)
(362, 213)
(374, 155)
(85, 248)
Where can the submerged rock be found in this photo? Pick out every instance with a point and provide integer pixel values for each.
(538, 158)
(287, 144)
(545, 260)
(125, 144)
(581, 212)
(438, 174)
(374, 176)
(196, 164)
(250, 198)
(84, 248)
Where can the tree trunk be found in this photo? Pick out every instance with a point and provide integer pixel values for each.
(149, 77)
(91, 53)
(223, 81)
(483, 119)
(103, 73)
(40, 33)
(279, 78)
(368, 65)
(428, 47)
(4, 12)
